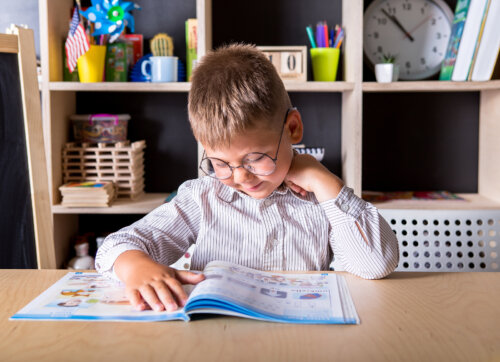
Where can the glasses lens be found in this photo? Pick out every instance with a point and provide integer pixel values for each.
(259, 164)
(215, 168)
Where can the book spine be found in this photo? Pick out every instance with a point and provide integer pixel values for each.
(191, 46)
(478, 42)
(457, 29)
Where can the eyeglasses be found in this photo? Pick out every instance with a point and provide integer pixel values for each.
(257, 163)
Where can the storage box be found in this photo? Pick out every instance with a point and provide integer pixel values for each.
(100, 128)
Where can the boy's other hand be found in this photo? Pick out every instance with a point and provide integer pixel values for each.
(149, 283)
(306, 174)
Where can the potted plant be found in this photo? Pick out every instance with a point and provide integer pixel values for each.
(387, 71)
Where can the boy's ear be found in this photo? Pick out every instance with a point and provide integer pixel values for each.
(295, 126)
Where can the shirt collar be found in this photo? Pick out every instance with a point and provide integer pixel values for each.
(229, 194)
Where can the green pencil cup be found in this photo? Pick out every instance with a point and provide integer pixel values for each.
(325, 62)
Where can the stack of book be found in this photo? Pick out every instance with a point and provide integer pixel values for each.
(474, 41)
(87, 194)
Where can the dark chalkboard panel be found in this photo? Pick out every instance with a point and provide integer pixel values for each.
(25, 219)
(17, 238)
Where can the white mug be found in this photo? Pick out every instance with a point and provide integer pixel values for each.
(161, 69)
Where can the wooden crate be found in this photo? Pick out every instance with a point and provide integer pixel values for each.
(121, 163)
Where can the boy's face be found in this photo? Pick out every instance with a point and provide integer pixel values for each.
(259, 139)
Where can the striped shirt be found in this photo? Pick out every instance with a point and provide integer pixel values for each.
(281, 232)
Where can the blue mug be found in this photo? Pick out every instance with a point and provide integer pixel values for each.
(161, 69)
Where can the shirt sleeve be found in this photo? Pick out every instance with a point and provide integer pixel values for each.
(164, 234)
(373, 258)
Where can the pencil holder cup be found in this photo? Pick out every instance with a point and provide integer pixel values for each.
(91, 64)
(325, 62)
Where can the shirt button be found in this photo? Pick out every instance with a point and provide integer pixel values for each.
(275, 242)
(344, 207)
(267, 203)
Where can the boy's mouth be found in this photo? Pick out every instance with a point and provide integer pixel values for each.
(255, 188)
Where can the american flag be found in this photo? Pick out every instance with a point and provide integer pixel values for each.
(77, 43)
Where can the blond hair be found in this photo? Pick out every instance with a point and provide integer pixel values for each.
(232, 89)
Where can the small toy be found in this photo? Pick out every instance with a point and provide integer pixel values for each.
(110, 17)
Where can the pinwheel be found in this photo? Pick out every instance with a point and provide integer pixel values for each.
(110, 17)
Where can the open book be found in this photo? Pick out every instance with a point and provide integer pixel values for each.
(228, 289)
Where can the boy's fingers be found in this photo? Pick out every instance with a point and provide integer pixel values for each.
(164, 293)
(135, 299)
(186, 277)
(149, 295)
(177, 290)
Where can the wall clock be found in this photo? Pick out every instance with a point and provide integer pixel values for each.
(416, 31)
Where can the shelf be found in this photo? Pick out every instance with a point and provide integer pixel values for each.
(291, 86)
(141, 205)
(431, 86)
(294, 86)
(471, 202)
(120, 87)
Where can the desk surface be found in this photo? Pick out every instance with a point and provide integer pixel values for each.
(406, 317)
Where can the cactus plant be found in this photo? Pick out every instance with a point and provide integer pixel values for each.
(162, 45)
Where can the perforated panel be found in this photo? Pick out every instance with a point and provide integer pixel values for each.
(446, 240)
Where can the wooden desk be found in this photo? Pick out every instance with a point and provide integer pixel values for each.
(406, 317)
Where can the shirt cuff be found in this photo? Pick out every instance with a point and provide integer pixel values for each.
(345, 207)
(106, 265)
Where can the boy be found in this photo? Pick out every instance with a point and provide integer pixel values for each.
(260, 205)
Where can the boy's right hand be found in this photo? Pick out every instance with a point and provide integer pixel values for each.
(150, 283)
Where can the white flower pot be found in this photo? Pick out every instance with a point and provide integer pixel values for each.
(384, 72)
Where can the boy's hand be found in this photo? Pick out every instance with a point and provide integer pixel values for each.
(151, 283)
(306, 174)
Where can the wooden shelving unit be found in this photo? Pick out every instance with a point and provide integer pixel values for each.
(59, 102)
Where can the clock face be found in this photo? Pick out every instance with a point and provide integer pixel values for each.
(415, 31)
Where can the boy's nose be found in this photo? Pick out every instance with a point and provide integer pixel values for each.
(241, 175)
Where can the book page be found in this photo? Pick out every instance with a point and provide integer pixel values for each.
(88, 296)
(276, 296)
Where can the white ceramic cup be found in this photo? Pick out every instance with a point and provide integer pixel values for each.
(161, 69)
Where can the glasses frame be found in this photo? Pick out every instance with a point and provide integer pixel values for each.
(274, 159)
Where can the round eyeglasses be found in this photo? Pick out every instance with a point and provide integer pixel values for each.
(257, 163)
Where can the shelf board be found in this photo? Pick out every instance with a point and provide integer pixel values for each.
(120, 87)
(292, 86)
(141, 205)
(471, 202)
(431, 86)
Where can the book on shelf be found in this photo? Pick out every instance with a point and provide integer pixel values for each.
(191, 46)
(457, 29)
(228, 289)
(476, 16)
(87, 194)
(489, 45)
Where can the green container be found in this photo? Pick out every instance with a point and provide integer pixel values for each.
(325, 62)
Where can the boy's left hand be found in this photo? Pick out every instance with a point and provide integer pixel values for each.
(306, 174)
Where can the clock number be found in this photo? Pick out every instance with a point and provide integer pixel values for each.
(434, 49)
(382, 21)
(433, 21)
(438, 35)
(407, 6)
(422, 61)
(408, 65)
(379, 49)
(375, 35)
(391, 11)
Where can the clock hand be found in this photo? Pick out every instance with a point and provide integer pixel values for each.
(419, 25)
(398, 24)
